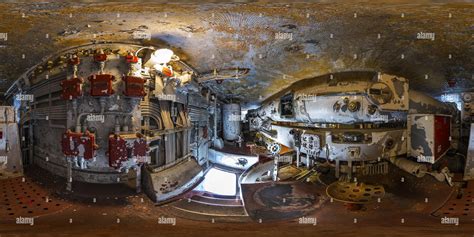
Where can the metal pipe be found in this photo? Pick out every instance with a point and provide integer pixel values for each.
(215, 117)
(102, 105)
(78, 119)
(417, 169)
(117, 125)
(126, 122)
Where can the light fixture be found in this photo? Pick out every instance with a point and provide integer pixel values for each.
(162, 56)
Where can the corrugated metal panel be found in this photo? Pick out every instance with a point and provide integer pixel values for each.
(47, 86)
(198, 114)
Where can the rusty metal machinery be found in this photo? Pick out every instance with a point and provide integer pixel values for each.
(344, 98)
(92, 113)
(357, 193)
(354, 120)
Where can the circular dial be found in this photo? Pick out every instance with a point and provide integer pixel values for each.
(467, 97)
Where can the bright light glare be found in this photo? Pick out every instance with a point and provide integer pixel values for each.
(162, 56)
(220, 182)
(453, 97)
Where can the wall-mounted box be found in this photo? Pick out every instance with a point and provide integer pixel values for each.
(71, 88)
(101, 85)
(429, 136)
(79, 144)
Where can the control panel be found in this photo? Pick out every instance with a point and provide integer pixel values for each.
(79, 144)
(101, 85)
(134, 86)
(310, 144)
(71, 88)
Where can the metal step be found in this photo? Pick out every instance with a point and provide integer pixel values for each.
(217, 201)
(209, 209)
(205, 208)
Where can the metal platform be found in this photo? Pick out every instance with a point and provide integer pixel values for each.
(22, 197)
(459, 204)
(202, 207)
(280, 200)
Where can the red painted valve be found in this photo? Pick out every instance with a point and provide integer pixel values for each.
(100, 56)
(74, 60)
(130, 58)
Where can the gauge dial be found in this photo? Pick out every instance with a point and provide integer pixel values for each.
(467, 97)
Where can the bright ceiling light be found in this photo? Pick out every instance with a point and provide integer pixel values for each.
(162, 56)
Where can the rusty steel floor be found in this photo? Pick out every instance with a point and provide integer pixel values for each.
(22, 197)
(413, 207)
(460, 204)
(281, 201)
